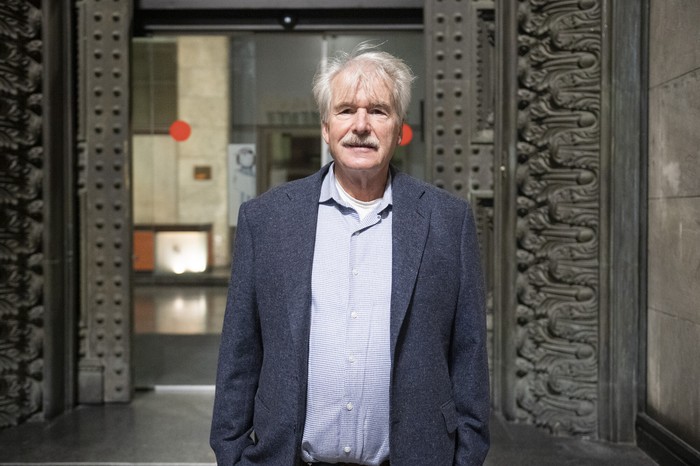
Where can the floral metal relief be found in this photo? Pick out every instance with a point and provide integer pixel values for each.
(558, 213)
(21, 228)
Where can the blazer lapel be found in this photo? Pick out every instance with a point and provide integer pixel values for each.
(301, 216)
(410, 224)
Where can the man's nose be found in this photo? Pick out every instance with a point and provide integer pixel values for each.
(361, 123)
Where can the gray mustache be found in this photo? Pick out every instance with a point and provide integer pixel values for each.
(357, 141)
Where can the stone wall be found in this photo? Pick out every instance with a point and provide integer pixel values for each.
(165, 189)
(203, 101)
(673, 372)
(154, 179)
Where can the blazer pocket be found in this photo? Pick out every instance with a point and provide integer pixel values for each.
(449, 413)
(265, 420)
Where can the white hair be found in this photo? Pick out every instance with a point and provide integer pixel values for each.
(365, 66)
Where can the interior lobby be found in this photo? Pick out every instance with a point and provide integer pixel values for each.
(132, 131)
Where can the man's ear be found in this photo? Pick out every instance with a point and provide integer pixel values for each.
(324, 132)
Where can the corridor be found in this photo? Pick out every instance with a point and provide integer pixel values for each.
(176, 335)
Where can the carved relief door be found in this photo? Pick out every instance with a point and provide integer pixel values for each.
(547, 213)
(541, 62)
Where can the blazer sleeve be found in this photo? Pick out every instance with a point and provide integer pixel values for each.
(470, 375)
(240, 355)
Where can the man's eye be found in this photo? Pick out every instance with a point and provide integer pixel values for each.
(345, 111)
(377, 111)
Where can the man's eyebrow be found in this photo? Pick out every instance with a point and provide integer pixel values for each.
(380, 105)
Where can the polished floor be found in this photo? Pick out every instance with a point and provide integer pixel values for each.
(181, 310)
(171, 427)
(176, 334)
(174, 357)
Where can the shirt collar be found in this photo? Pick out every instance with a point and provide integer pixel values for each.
(330, 191)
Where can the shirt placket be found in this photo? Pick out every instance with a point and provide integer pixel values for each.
(357, 334)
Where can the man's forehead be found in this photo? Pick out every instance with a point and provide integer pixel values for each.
(348, 89)
(351, 97)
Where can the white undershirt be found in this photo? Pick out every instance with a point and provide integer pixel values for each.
(363, 208)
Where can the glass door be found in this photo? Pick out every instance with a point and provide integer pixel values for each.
(219, 119)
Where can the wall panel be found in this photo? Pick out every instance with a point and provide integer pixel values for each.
(673, 271)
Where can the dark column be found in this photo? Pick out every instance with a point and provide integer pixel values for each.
(622, 224)
(22, 222)
(59, 189)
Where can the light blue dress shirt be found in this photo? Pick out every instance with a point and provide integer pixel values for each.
(347, 411)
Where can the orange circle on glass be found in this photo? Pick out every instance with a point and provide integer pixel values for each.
(180, 130)
(406, 135)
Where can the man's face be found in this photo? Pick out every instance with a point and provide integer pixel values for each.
(363, 127)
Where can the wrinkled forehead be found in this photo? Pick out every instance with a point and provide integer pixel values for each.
(376, 88)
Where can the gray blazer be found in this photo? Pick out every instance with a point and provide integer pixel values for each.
(439, 382)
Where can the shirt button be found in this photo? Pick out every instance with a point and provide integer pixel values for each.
(349, 406)
(351, 358)
(353, 314)
(355, 272)
(347, 449)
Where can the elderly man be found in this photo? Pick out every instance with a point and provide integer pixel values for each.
(355, 325)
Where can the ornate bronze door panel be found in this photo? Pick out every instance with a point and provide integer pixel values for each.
(543, 67)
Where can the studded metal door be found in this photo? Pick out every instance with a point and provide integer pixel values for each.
(461, 62)
(105, 200)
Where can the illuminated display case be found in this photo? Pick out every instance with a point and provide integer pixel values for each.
(176, 249)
